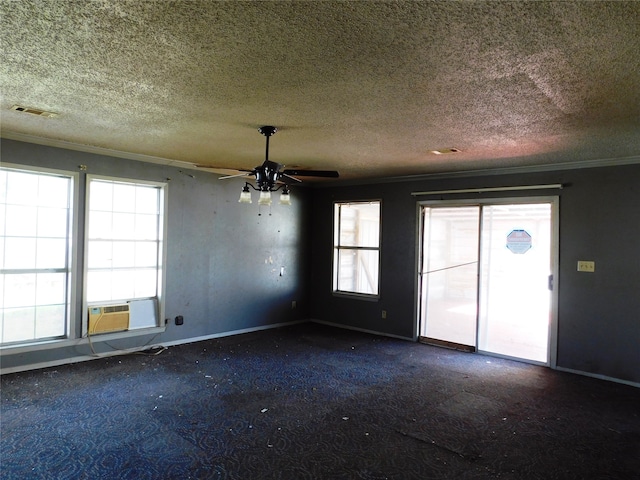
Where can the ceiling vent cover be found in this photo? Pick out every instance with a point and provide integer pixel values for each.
(34, 111)
(444, 151)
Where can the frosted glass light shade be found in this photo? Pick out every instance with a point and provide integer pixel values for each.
(285, 199)
(265, 198)
(245, 196)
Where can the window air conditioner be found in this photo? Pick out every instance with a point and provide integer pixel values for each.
(109, 318)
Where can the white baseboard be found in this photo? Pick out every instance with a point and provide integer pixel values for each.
(69, 360)
(364, 330)
(229, 333)
(127, 351)
(598, 376)
(84, 358)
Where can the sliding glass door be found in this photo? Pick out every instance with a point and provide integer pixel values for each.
(449, 274)
(515, 299)
(485, 278)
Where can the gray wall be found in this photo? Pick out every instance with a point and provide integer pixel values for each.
(598, 314)
(223, 259)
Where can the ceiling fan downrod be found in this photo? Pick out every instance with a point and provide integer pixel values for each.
(267, 131)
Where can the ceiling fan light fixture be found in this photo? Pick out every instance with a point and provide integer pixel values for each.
(285, 197)
(245, 195)
(265, 198)
(269, 177)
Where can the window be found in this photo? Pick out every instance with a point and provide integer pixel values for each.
(124, 241)
(356, 247)
(35, 223)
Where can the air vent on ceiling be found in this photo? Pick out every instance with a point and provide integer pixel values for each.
(34, 111)
(444, 151)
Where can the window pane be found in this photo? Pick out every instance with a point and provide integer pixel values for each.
(20, 290)
(18, 324)
(147, 200)
(98, 286)
(123, 284)
(124, 225)
(129, 252)
(360, 225)
(145, 283)
(50, 288)
(3, 186)
(146, 227)
(100, 225)
(100, 254)
(50, 321)
(36, 219)
(52, 222)
(51, 191)
(358, 271)
(20, 253)
(101, 196)
(51, 253)
(21, 221)
(124, 254)
(146, 254)
(124, 198)
(22, 188)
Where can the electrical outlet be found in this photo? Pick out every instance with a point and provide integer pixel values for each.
(294, 305)
(384, 314)
(179, 320)
(586, 266)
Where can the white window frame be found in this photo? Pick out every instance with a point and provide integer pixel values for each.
(71, 257)
(161, 270)
(337, 247)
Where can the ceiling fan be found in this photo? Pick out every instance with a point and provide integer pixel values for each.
(270, 174)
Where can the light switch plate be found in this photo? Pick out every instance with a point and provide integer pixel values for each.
(586, 266)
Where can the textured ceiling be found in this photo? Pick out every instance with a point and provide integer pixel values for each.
(367, 88)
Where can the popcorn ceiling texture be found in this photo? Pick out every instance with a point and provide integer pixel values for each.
(368, 88)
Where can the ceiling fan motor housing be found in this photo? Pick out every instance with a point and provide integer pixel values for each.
(267, 174)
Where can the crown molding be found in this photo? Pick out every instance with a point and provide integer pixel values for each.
(607, 162)
(52, 142)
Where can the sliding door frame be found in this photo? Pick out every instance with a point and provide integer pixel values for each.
(553, 201)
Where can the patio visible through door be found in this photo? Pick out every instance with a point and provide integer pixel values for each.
(486, 278)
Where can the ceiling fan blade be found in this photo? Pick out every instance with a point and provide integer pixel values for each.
(244, 174)
(229, 172)
(312, 173)
(290, 177)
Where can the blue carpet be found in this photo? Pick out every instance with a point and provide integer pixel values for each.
(314, 402)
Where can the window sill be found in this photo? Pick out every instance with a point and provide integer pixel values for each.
(356, 296)
(104, 337)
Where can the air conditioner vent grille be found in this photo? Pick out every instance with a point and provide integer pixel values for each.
(108, 318)
(116, 308)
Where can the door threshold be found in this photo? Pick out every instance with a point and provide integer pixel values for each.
(443, 343)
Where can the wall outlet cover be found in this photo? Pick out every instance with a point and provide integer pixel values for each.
(586, 266)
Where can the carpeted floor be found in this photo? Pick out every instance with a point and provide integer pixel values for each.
(315, 402)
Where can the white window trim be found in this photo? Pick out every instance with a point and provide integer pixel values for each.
(76, 321)
(72, 279)
(372, 297)
(160, 326)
